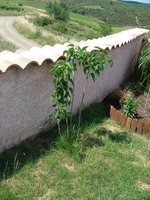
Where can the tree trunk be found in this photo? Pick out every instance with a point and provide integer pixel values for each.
(81, 105)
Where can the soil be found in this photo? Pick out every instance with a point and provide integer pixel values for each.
(144, 107)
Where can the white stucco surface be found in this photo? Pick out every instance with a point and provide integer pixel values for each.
(25, 89)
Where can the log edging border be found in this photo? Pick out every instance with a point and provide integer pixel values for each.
(137, 125)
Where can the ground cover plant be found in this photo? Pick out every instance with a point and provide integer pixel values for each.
(107, 163)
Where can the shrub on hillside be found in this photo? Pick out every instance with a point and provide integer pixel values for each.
(59, 10)
(105, 29)
(10, 6)
(61, 27)
(42, 21)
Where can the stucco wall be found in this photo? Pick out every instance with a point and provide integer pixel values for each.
(24, 94)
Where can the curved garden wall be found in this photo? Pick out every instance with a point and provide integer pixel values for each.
(26, 84)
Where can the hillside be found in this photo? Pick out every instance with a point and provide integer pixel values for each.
(86, 19)
(116, 13)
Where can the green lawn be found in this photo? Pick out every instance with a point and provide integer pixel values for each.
(4, 45)
(106, 163)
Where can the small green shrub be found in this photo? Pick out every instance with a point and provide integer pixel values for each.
(59, 10)
(37, 34)
(105, 29)
(130, 106)
(42, 21)
(92, 63)
(20, 4)
(61, 27)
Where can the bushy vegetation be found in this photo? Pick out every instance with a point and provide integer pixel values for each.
(130, 106)
(59, 10)
(105, 29)
(144, 66)
(42, 21)
(6, 5)
(144, 70)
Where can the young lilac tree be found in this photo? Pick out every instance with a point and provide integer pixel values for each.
(63, 73)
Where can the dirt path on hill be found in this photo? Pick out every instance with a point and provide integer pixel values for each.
(10, 34)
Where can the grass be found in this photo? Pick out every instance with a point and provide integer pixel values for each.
(77, 28)
(35, 34)
(91, 22)
(106, 163)
(5, 45)
(85, 21)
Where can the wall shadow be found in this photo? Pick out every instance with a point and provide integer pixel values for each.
(12, 160)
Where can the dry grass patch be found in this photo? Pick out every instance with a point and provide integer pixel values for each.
(71, 168)
(5, 45)
(38, 34)
(143, 185)
(47, 196)
(144, 159)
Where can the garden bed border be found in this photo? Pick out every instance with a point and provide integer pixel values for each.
(136, 125)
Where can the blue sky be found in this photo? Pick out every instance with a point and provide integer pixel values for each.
(142, 1)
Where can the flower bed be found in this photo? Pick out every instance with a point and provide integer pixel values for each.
(136, 125)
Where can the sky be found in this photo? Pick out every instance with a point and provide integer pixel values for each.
(141, 1)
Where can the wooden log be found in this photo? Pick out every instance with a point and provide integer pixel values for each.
(128, 122)
(119, 116)
(145, 128)
(134, 125)
(112, 112)
(140, 126)
(116, 113)
(149, 131)
(123, 120)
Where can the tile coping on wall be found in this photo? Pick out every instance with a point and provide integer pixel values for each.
(37, 55)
